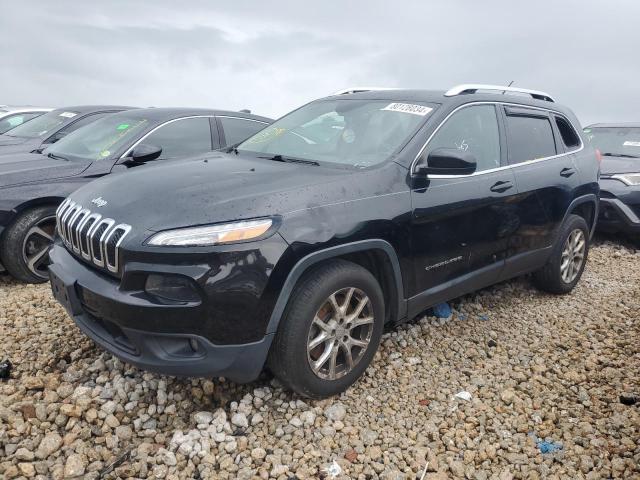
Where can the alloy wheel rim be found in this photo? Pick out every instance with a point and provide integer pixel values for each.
(572, 255)
(340, 333)
(35, 247)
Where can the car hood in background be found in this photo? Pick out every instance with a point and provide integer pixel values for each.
(611, 165)
(33, 167)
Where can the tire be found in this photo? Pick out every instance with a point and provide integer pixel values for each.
(28, 237)
(289, 358)
(552, 277)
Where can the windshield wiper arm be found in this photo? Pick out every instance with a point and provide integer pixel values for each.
(57, 157)
(232, 148)
(621, 155)
(280, 158)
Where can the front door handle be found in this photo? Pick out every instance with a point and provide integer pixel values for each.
(501, 186)
(567, 172)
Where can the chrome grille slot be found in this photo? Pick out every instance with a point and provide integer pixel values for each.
(89, 235)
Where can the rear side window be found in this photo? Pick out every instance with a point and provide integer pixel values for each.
(237, 130)
(568, 134)
(529, 138)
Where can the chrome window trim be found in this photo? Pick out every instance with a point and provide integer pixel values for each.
(141, 139)
(126, 229)
(491, 170)
(242, 118)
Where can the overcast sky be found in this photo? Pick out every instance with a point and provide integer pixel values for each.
(276, 55)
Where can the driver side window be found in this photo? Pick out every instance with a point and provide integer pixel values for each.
(474, 130)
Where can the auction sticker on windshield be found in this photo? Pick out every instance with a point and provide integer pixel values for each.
(68, 114)
(408, 108)
(631, 144)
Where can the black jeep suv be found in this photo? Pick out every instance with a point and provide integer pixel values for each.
(619, 145)
(32, 185)
(298, 245)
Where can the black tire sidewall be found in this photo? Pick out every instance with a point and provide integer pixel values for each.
(300, 314)
(12, 241)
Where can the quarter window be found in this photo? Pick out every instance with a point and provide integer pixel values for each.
(184, 137)
(475, 130)
(569, 136)
(237, 130)
(529, 138)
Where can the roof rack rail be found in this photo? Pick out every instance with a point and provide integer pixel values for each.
(360, 89)
(473, 88)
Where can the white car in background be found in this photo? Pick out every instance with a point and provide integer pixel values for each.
(12, 116)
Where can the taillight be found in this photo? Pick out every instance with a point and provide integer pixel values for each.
(598, 156)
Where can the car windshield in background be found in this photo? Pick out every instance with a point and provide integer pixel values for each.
(615, 141)
(42, 125)
(100, 139)
(358, 133)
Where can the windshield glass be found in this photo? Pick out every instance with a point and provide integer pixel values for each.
(42, 125)
(100, 139)
(348, 132)
(615, 141)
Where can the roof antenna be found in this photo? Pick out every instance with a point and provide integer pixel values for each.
(510, 83)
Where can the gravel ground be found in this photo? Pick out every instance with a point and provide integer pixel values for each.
(537, 368)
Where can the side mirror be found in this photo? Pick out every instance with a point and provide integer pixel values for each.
(447, 161)
(144, 153)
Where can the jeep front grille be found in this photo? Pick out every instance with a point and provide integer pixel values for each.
(89, 235)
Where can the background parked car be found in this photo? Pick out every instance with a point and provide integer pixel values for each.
(619, 145)
(11, 116)
(33, 184)
(50, 127)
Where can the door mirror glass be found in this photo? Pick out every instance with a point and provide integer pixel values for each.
(447, 161)
(145, 152)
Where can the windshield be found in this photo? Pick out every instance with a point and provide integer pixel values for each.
(100, 139)
(42, 125)
(615, 141)
(348, 132)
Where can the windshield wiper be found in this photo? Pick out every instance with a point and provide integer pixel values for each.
(280, 158)
(621, 155)
(57, 157)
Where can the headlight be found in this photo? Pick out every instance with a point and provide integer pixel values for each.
(212, 234)
(628, 178)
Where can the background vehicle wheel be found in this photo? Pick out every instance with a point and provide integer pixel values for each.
(330, 331)
(564, 269)
(25, 244)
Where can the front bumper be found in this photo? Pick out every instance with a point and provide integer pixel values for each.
(617, 216)
(182, 352)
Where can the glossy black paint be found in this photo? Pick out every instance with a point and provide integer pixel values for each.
(427, 238)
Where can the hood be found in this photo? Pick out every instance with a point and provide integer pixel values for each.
(9, 140)
(215, 189)
(33, 167)
(611, 165)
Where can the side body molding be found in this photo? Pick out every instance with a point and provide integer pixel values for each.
(315, 257)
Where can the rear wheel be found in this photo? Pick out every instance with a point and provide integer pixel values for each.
(330, 331)
(25, 244)
(564, 269)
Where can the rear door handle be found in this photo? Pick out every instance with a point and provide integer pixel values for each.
(501, 186)
(567, 172)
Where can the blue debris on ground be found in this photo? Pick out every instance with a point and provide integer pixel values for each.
(442, 310)
(484, 318)
(546, 446)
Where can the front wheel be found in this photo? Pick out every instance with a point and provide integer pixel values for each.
(330, 331)
(564, 269)
(25, 244)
